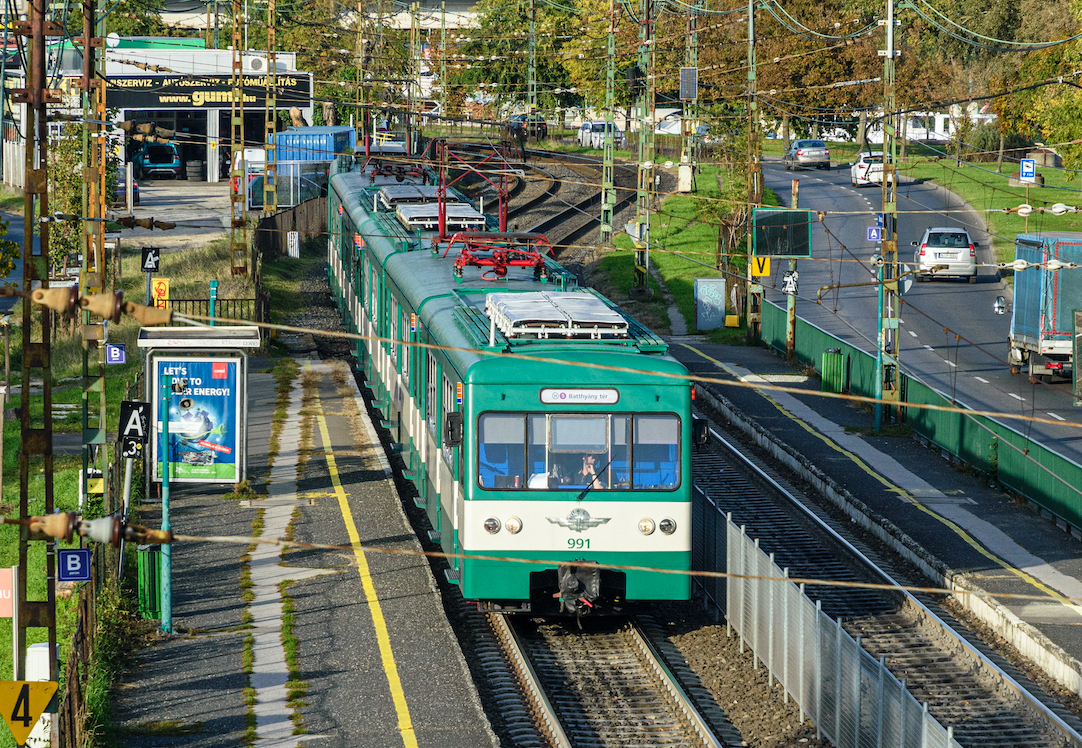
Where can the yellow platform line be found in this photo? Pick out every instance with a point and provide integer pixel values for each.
(965, 536)
(390, 668)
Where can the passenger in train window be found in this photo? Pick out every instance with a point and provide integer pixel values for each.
(587, 474)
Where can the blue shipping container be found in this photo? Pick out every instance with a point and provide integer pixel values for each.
(1044, 300)
(315, 143)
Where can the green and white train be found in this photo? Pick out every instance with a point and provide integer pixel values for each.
(538, 422)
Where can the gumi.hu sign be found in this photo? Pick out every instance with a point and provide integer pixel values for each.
(199, 91)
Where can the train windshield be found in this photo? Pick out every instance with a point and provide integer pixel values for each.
(610, 451)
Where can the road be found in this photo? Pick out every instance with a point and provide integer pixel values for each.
(973, 369)
(15, 234)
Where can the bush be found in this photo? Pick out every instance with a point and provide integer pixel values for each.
(984, 144)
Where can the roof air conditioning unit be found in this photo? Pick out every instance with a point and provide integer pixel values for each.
(254, 63)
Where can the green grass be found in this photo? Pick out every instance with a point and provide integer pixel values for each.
(165, 728)
(297, 688)
(11, 199)
(282, 278)
(984, 189)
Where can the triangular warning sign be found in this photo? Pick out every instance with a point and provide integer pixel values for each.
(22, 702)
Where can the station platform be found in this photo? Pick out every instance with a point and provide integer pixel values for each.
(371, 658)
(960, 524)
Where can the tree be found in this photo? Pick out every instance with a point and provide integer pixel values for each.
(496, 54)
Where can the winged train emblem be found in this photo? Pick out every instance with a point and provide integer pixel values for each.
(579, 520)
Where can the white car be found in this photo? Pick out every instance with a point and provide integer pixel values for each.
(946, 252)
(867, 170)
(592, 135)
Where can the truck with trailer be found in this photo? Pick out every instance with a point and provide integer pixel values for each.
(1042, 323)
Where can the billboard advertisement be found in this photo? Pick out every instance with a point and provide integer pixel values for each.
(205, 427)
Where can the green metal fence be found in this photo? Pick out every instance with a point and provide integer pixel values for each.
(1029, 468)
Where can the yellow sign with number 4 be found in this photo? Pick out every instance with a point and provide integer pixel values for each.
(22, 702)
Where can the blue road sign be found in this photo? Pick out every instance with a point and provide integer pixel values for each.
(875, 233)
(878, 219)
(115, 353)
(74, 565)
(1029, 170)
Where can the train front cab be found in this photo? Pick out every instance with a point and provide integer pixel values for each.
(527, 499)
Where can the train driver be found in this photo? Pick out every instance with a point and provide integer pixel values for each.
(587, 474)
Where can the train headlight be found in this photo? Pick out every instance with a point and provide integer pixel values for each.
(492, 525)
(667, 526)
(513, 525)
(646, 526)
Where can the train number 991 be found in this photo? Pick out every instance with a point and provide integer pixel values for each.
(578, 542)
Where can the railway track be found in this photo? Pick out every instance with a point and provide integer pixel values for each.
(962, 684)
(601, 688)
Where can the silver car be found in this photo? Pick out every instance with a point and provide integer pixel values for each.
(946, 253)
(807, 153)
(592, 135)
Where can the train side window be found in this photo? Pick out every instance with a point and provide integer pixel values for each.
(407, 350)
(394, 331)
(656, 452)
(431, 386)
(500, 450)
(447, 405)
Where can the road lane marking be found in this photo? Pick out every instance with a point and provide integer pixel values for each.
(982, 379)
(929, 347)
(1017, 397)
(912, 333)
(1058, 418)
(951, 363)
(390, 667)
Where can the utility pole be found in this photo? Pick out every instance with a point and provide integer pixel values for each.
(645, 187)
(608, 167)
(270, 172)
(361, 94)
(36, 448)
(531, 64)
(790, 298)
(687, 123)
(443, 59)
(238, 229)
(888, 371)
(92, 278)
(755, 183)
(414, 74)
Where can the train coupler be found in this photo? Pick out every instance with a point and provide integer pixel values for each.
(579, 588)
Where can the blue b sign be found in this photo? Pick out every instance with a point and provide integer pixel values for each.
(74, 565)
(115, 354)
(875, 233)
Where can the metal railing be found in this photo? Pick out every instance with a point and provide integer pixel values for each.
(852, 698)
(251, 310)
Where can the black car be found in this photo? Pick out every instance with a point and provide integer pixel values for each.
(533, 125)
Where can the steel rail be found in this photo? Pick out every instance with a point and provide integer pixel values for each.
(543, 711)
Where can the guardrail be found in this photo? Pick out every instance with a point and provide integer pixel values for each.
(852, 698)
(1029, 468)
